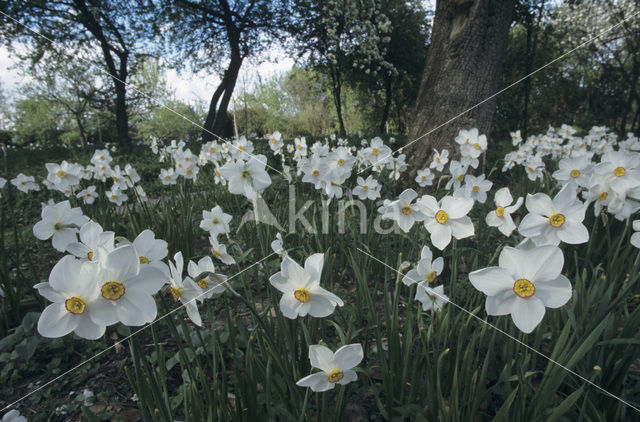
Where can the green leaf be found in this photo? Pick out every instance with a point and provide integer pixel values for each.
(503, 412)
(566, 404)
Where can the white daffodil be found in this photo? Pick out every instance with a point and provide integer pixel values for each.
(337, 368)
(403, 211)
(439, 159)
(367, 189)
(476, 188)
(428, 269)
(635, 238)
(524, 283)
(220, 251)
(24, 183)
(621, 170)
(574, 169)
(247, 178)
(301, 289)
(210, 283)
(446, 218)
(116, 196)
(501, 216)
(74, 292)
(168, 176)
(424, 177)
(432, 299)
(13, 416)
(88, 195)
(92, 237)
(63, 175)
(151, 251)
(457, 171)
(185, 289)
(126, 288)
(59, 222)
(551, 221)
(215, 221)
(277, 246)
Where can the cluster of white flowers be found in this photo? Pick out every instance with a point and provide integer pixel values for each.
(101, 283)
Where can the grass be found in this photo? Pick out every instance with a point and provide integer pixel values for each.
(244, 362)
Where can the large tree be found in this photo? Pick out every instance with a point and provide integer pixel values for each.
(75, 27)
(463, 68)
(220, 34)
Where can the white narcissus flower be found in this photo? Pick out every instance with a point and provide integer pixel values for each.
(92, 237)
(88, 195)
(301, 289)
(367, 189)
(74, 292)
(247, 178)
(635, 238)
(59, 222)
(551, 221)
(277, 246)
(209, 284)
(126, 288)
(439, 159)
(446, 218)
(23, 183)
(574, 169)
(151, 251)
(220, 251)
(215, 221)
(425, 177)
(403, 211)
(337, 368)
(523, 284)
(13, 416)
(116, 196)
(428, 269)
(432, 299)
(168, 177)
(476, 188)
(501, 216)
(185, 289)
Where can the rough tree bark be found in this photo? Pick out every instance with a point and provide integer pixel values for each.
(463, 68)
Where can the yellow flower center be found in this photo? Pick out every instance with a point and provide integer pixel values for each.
(176, 292)
(476, 146)
(341, 162)
(365, 188)
(316, 173)
(431, 276)
(273, 140)
(302, 295)
(524, 288)
(241, 148)
(57, 226)
(500, 211)
(215, 221)
(102, 158)
(212, 149)
(335, 375)
(217, 173)
(574, 173)
(375, 151)
(245, 174)
(75, 305)
(476, 188)
(167, 177)
(602, 196)
(216, 253)
(115, 178)
(442, 217)
(61, 174)
(556, 220)
(113, 290)
(437, 159)
(424, 177)
(619, 171)
(299, 146)
(406, 210)
(90, 255)
(143, 259)
(203, 283)
(466, 140)
(460, 177)
(114, 196)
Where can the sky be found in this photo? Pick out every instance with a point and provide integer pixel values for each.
(188, 86)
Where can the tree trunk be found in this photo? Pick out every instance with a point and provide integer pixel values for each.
(337, 99)
(463, 68)
(530, 54)
(635, 74)
(387, 104)
(122, 118)
(217, 115)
